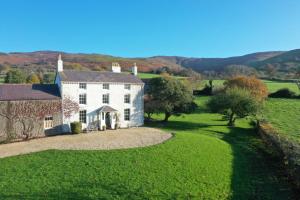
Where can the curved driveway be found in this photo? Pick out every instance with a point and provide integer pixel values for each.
(111, 139)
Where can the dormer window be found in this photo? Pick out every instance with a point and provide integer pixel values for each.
(127, 86)
(105, 86)
(82, 85)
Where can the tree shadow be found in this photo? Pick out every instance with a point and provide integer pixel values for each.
(256, 172)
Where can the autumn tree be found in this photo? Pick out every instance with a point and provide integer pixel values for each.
(255, 86)
(33, 78)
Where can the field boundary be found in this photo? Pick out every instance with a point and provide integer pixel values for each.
(286, 149)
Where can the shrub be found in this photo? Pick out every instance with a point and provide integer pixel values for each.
(76, 127)
(283, 93)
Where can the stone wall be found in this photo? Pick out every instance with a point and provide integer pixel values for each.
(288, 149)
(11, 130)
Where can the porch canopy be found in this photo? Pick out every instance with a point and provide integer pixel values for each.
(106, 109)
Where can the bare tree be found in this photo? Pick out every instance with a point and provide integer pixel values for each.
(69, 107)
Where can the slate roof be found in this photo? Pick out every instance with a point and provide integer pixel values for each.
(107, 109)
(94, 76)
(29, 92)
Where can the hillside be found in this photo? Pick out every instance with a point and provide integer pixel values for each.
(285, 62)
(46, 60)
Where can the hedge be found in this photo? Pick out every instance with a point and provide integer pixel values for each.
(288, 149)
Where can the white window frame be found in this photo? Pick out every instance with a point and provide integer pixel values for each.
(82, 116)
(104, 99)
(127, 114)
(127, 98)
(105, 86)
(48, 122)
(82, 86)
(82, 99)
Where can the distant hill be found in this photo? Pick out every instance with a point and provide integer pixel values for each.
(284, 62)
(46, 60)
(218, 64)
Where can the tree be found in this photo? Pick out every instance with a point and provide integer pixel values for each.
(172, 96)
(33, 78)
(4, 68)
(48, 78)
(271, 70)
(255, 86)
(235, 103)
(70, 106)
(238, 70)
(15, 76)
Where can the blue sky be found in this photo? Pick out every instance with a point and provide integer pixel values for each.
(137, 28)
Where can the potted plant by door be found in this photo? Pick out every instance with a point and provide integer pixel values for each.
(103, 127)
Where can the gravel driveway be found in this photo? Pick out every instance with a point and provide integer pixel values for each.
(111, 139)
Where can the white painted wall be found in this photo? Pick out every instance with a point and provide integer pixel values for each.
(116, 93)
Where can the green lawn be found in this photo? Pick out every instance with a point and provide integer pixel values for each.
(284, 115)
(204, 160)
(147, 75)
(150, 75)
(272, 86)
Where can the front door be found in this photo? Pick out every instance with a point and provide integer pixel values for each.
(107, 121)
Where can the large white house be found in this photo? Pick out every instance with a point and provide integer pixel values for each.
(107, 100)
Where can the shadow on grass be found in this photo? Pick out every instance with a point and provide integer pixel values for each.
(96, 190)
(256, 173)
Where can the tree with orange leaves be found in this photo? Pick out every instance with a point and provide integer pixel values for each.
(255, 86)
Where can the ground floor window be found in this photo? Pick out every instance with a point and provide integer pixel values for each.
(127, 114)
(48, 122)
(82, 116)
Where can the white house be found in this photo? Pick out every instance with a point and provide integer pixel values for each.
(106, 99)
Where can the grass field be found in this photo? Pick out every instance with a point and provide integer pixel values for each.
(272, 86)
(284, 115)
(204, 160)
(147, 75)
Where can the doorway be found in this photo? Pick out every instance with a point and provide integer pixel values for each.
(107, 120)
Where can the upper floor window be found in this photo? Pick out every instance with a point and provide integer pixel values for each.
(82, 85)
(82, 116)
(105, 86)
(127, 114)
(82, 99)
(127, 98)
(105, 98)
(48, 122)
(127, 86)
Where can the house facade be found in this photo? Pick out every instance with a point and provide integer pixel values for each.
(107, 100)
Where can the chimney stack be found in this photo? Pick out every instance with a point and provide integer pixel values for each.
(60, 66)
(134, 69)
(115, 67)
